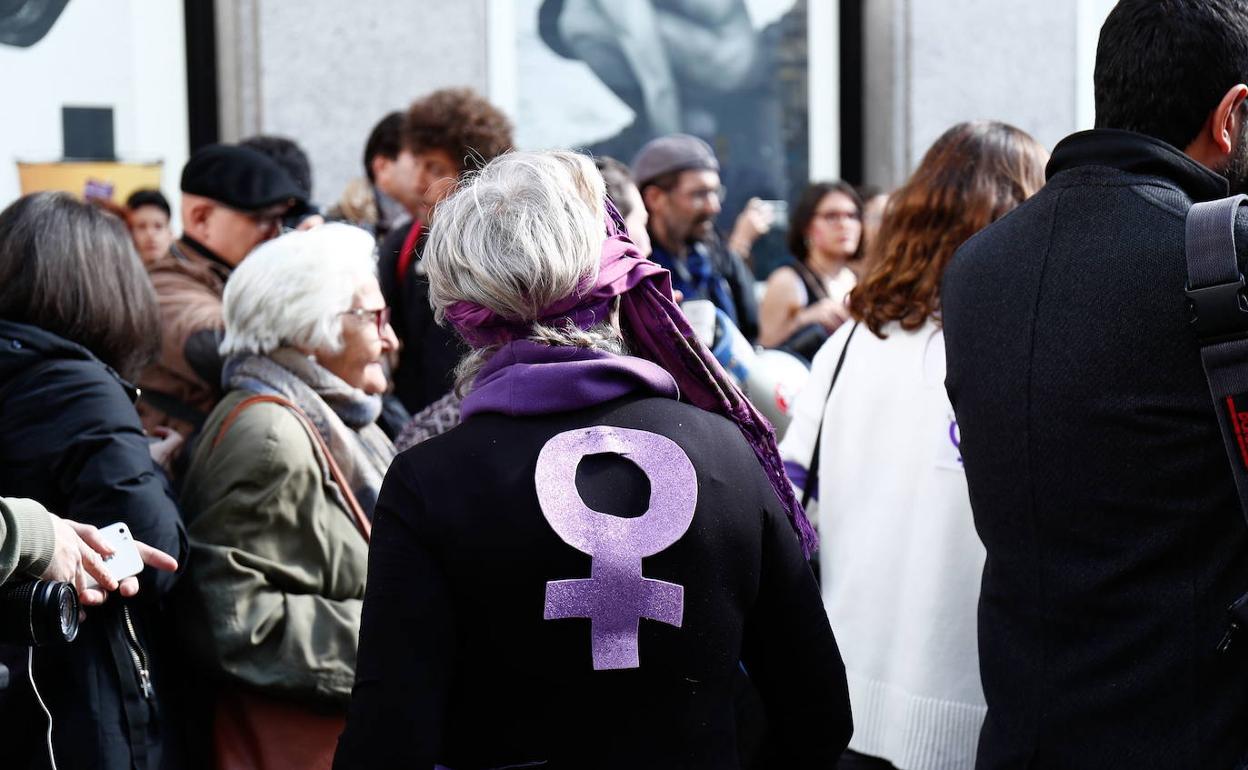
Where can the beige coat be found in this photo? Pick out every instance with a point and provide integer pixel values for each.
(188, 287)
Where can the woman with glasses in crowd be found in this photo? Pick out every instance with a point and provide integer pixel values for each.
(280, 493)
(899, 556)
(804, 300)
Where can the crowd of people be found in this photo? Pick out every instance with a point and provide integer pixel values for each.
(448, 474)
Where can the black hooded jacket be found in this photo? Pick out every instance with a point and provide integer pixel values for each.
(72, 440)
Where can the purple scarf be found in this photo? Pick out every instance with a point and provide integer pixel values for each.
(527, 378)
(655, 328)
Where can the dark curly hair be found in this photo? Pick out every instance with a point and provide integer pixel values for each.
(461, 123)
(972, 176)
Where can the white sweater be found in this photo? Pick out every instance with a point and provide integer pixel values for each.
(899, 555)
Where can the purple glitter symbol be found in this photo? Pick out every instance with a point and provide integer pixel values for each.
(616, 597)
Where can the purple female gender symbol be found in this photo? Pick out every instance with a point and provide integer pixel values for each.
(616, 597)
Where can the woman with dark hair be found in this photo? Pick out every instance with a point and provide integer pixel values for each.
(78, 319)
(644, 548)
(804, 300)
(900, 559)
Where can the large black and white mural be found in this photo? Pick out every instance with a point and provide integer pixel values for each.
(608, 75)
(25, 22)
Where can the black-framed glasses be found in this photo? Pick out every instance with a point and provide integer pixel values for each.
(267, 221)
(380, 317)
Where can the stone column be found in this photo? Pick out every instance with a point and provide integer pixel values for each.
(932, 63)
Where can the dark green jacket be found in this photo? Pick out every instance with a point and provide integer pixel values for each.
(277, 562)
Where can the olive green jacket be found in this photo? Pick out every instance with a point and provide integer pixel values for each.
(27, 540)
(277, 562)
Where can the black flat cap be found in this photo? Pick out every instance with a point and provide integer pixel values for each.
(241, 178)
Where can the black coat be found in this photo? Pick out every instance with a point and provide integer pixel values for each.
(1097, 473)
(429, 352)
(458, 665)
(72, 441)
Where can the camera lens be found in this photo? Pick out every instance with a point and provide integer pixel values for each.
(38, 612)
(67, 599)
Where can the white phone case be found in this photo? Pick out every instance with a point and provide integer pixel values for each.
(125, 560)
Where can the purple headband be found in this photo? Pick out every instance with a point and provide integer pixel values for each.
(658, 331)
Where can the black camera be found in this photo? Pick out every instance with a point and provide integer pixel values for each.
(38, 612)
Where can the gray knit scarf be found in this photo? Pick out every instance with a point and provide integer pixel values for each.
(346, 417)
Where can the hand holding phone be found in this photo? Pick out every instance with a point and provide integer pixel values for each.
(125, 561)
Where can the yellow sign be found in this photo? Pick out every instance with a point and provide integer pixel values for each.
(102, 178)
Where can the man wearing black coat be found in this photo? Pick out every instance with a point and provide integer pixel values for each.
(1097, 473)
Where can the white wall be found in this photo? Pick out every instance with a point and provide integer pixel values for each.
(323, 72)
(933, 63)
(124, 54)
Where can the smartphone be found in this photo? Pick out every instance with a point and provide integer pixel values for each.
(779, 213)
(125, 561)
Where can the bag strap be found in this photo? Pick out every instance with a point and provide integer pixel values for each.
(1218, 306)
(1219, 316)
(353, 506)
(812, 470)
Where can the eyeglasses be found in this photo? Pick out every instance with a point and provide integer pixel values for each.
(379, 316)
(704, 195)
(268, 221)
(832, 217)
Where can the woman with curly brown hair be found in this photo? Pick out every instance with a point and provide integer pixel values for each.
(900, 558)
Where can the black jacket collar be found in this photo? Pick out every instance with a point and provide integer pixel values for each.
(1136, 154)
(187, 241)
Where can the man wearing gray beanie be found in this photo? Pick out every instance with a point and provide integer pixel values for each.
(678, 176)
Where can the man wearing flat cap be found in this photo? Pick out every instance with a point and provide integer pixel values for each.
(678, 176)
(233, 198)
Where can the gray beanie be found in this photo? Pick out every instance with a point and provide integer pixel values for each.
(674, 152)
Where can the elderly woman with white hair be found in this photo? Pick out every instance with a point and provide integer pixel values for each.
(280, 492)
(578, 574)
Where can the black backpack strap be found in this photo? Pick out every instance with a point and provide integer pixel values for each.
(812, 470)
(1218, 305)
(1219, 310)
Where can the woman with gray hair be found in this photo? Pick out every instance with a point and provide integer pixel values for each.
(280, 493)
(510, 619)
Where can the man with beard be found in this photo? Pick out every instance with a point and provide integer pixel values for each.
(1097, 473)
(678, 176)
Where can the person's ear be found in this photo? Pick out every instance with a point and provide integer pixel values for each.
(654, 197)
(1226, 122)
(195, 214)
(380, 166)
